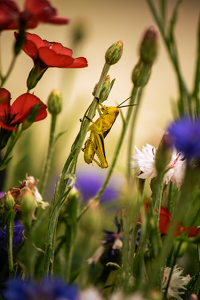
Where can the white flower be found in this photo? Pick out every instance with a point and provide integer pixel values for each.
(145, 162)
(177, 282)
(90, 294)
(30, 183)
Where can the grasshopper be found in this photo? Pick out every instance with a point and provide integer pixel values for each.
(98, 131)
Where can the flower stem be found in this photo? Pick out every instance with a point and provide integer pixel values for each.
(171, 47)
(14, 138)
(9, 238)
(67, 174)
(121, 139)
(45, 173)
(131, 134)
(171, 271)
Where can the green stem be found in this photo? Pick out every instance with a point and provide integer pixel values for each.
(131, 135)
(121, 139)
(9, 238)
(45, 173)
(4, 78)
(171, 272)
(173, 55)
(68, 170)
(10, 147)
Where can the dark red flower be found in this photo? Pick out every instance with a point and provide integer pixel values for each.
(35, 11)
(11, 115)
(50, 54)
(165, 221)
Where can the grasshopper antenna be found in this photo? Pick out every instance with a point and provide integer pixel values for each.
(123, 102)
(127, 105)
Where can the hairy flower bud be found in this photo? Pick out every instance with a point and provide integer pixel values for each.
(105, 89)
(55, 102)
(9, 202)
(141, 74)
(114, 53)
(148, 49)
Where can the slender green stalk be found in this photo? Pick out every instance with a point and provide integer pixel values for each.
(4, 78)
(9, 238)
(120, 142)
(131, 134)
(13, 141)
(171, 271)
(67, 173)
(45, 173)
(171, 47)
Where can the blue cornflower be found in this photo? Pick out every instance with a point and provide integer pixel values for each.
(48, 289)
(89, 184)
(17, 235)
(185, 134)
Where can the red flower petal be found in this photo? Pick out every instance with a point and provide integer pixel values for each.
(7, 127)
(164, 220)
(9, 14)
(23, 105)
(79, 62)
(5, 98)
(53, 59)
(43, 11)
(194, 231)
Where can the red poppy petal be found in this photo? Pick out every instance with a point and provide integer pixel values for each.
(192, 232)
(58, 20)
(58, 48)
(5, 98)
(80, 62)
(43, 11)
(23, 105)
(164, 223)
(3, 125)
(166, 212)
(53, 59)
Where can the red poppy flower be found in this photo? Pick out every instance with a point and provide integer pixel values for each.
(35, 11)
(165, 221)
(50, 54)
(11, 115)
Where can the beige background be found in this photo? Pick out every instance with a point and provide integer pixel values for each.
(106, 22)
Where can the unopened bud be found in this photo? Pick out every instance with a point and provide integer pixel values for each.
(141, 74)
(148, 49)
(105, 89)
(9, 202)
(27, 202)
(55, 102)
(114, 53)
(164, 153)
(34, 76)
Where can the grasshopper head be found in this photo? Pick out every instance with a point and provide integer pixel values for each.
(112, 111)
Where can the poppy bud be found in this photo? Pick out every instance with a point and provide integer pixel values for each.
(164, 153)
(9, 202)
(114, 53)
(105, 89)
(55, 102)
(141, 74)
(148, 49)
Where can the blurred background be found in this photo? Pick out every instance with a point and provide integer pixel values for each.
(102, 23)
